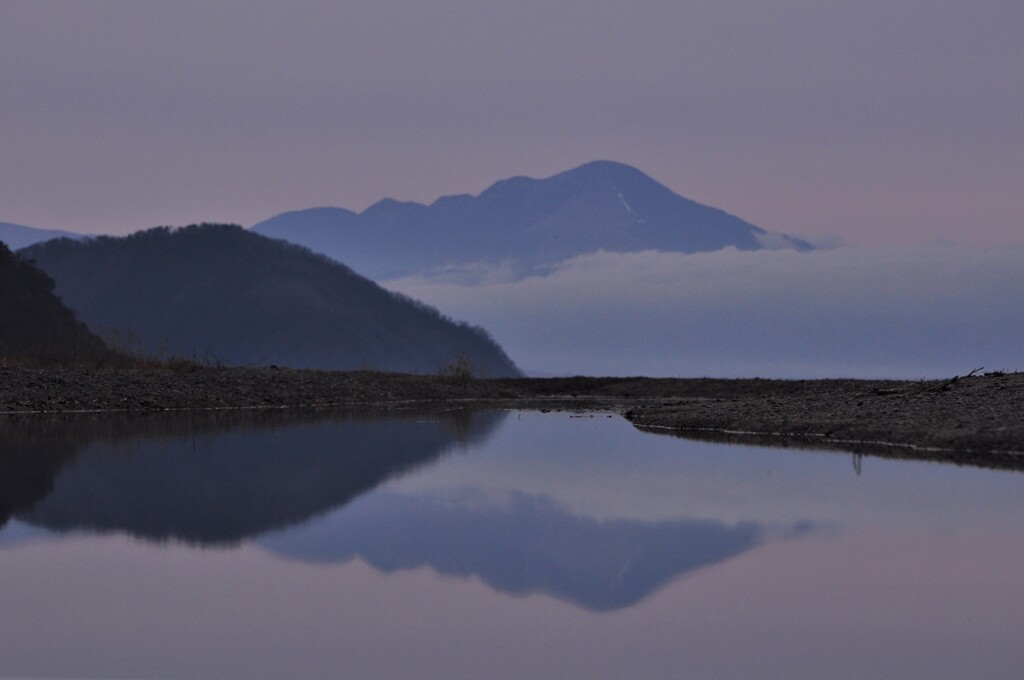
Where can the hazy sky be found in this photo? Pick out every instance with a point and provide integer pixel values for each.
(880, 122)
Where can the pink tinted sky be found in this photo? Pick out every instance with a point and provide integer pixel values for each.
(877, 122)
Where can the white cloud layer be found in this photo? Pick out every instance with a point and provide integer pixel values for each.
(848, 312)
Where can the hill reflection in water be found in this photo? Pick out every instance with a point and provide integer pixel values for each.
(213, 479)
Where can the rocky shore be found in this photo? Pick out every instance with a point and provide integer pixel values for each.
(973, 419)
(977, 420)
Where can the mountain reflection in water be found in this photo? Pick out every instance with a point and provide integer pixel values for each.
(522, 544)
(546, 546)
(213, 479)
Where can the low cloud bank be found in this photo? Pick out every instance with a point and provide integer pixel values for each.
(848, 312)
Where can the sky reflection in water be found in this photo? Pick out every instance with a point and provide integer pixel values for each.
(501, 545)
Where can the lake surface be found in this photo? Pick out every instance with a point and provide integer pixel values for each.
(492, 545)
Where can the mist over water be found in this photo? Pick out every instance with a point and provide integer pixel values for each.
(920, 312)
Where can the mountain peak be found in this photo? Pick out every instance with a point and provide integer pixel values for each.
(592, 172)
(611, 169)
(531, 223)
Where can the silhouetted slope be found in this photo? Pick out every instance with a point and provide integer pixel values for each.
(17, 236)
(598, 206)
(218, 291)
(34, 323)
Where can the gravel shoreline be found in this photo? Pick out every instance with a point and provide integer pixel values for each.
(976, 420)
(971, 420)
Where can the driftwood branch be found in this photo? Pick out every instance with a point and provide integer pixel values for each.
(941, 387)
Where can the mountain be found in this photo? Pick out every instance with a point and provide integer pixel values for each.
(34, 324)
(222, 293)
(522, 222)
(17, 236)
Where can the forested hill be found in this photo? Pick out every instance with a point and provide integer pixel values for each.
(220, 293)
(34, 324)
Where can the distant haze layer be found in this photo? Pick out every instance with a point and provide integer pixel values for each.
(906, 313)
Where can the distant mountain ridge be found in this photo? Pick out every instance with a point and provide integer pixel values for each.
(526, 223)
(223, 293)
(18, 236)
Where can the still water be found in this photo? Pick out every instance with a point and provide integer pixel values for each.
(492, 545)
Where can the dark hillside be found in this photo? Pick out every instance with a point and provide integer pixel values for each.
(34, 324)
(220, 293)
